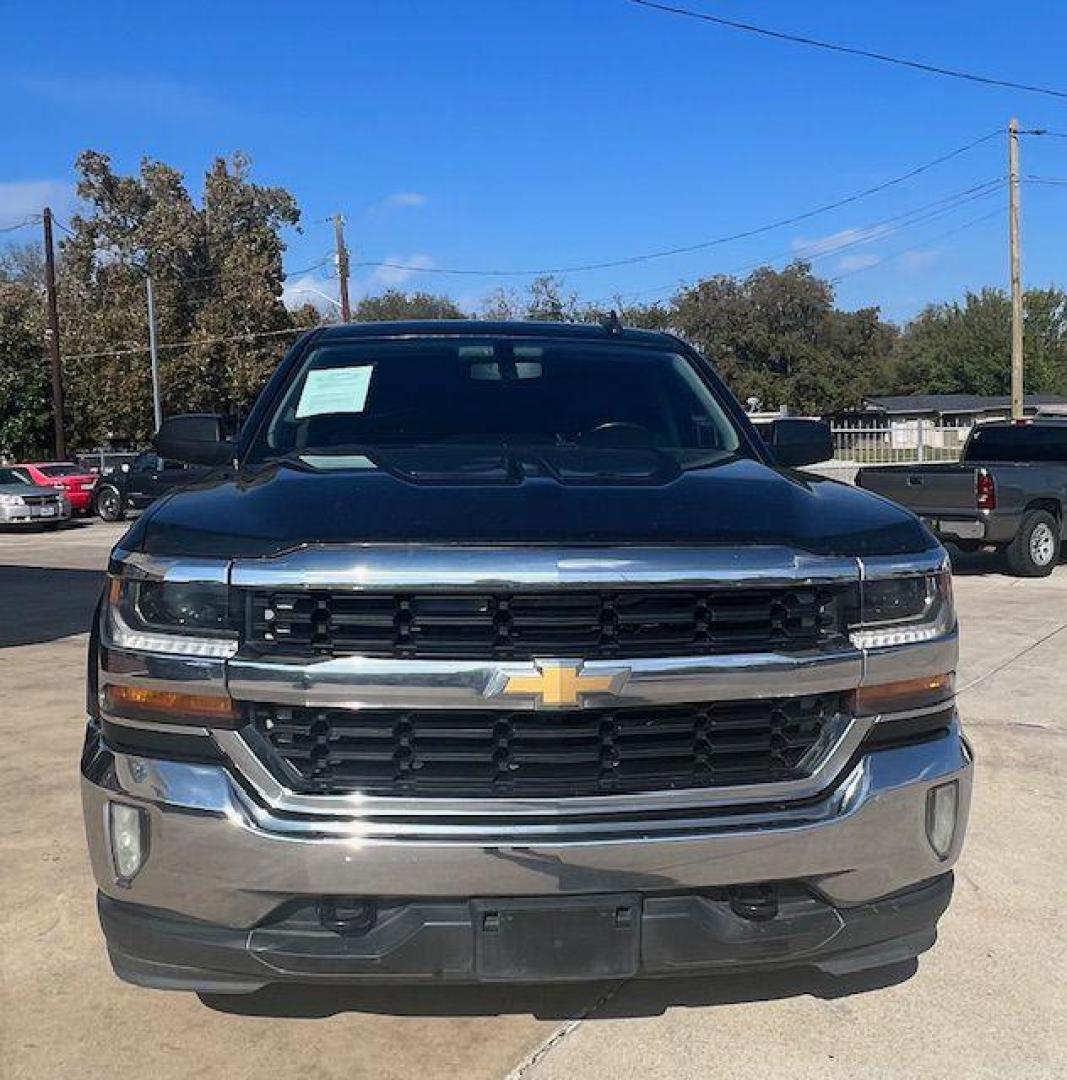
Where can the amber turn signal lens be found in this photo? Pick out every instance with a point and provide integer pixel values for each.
(901, 696)
(141, 702)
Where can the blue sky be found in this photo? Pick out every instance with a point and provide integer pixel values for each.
(540, 133)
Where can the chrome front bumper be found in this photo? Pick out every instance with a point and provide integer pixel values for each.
(218, 852)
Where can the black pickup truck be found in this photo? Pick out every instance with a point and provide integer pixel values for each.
(135, 484)
(508, 652)
(1009, 491)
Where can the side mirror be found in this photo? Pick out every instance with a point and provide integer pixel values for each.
(195, 439)
(798, 442)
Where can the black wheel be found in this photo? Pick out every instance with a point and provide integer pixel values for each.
(109, 504)
(1036, 548)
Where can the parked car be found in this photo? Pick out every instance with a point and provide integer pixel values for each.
(507, 652)
(1008, 492)
(136, 484)
(76, 481)
(22, 502)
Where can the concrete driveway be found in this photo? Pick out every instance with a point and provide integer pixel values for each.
(990, 1000)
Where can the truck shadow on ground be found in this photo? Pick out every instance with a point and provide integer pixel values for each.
(568, 1001)
(978, 563)
(44, 603)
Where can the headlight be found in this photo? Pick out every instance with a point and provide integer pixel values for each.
(179, 618)
(12, 500)
(904, 610)
(188, 606)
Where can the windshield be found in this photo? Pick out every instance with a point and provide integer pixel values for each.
(1019, 442)
(62, 470)
(10, 476)
(529, 392)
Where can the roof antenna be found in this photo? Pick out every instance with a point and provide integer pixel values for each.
(611, 322)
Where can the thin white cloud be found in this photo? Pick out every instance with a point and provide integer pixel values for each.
(402, 200)
(401, 269)
(915, 261)
(20, 199)
(860, 261)
(144, 94)
(827, 245)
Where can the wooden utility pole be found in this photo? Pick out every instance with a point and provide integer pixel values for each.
(342, 265)
(52, 336)
(1017, 399)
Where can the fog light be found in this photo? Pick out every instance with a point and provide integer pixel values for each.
(129, 839)
(942, 805)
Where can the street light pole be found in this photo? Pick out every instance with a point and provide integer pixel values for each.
(157, 407)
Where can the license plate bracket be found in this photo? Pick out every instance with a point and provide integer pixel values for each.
(557, 938)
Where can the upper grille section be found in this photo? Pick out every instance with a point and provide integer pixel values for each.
(526, 625)
(539, 754)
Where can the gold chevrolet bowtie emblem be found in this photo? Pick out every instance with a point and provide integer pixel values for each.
(561, 683)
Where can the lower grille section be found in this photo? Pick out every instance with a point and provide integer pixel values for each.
(483, 753)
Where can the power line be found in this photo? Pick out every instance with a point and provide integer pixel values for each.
(33, 219)
(929, 240)
(136, 350)
(703, 245)
(867, 54)
(864, 234)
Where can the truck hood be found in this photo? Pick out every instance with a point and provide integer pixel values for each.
(545, 496)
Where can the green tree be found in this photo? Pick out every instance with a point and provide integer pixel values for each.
(395, 304)
(966, 347)
(777, 336)
(217, 273)
(25, 401)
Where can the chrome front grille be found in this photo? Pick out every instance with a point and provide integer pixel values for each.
(482, 753)
(503, 625)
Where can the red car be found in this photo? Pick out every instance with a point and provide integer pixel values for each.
(75, 480)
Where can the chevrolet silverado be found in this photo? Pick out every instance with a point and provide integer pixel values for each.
(510, 652)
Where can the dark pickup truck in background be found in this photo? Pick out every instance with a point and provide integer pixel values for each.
(136, 484)
(1008, 491)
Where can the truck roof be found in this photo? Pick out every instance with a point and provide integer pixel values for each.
(492, 328)
(1031, 421)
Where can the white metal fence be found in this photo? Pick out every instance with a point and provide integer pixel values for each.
(895, 442)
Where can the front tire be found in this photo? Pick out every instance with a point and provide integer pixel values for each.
(1036, 548)
(109, 504)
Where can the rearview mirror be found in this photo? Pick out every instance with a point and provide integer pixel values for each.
(194, 439)
(798, 442)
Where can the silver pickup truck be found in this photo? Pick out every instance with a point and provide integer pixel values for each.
(1009, 491)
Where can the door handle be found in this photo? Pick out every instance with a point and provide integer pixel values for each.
(915, 481)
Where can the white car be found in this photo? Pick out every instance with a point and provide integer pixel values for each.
(26, 503)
